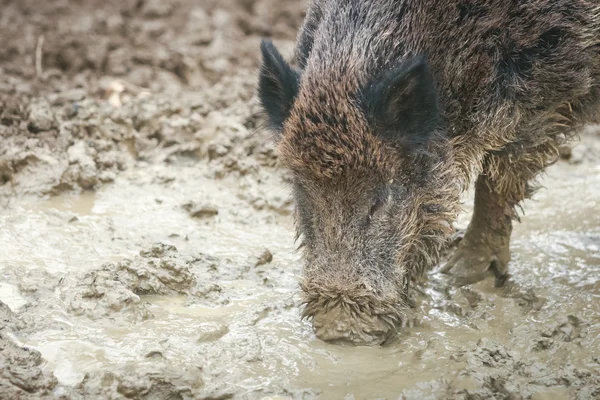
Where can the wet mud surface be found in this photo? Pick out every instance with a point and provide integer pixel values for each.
(147, 239)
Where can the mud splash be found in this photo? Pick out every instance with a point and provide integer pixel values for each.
(149, 248)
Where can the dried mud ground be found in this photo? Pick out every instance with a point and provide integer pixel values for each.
(147, 247)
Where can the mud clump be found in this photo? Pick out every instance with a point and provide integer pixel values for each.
(157, 271)
(154, 381)
(52, 160)
(82, 167)
(21, 368)
(265, 258)
(201, 211)
(567, 329)
(142, 80)
(99, 294)
(7, 317)
(21, 373)
(41, 117)
(116, 287)
(211, 331)
(493, 371)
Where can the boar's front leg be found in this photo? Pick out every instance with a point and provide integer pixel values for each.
(485, 244)
(505, 181)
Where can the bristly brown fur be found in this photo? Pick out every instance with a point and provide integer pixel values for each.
(329, 136)
(375, 317)
(515, 81)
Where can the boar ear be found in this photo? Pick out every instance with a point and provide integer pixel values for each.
(277, 86)
(403, 103)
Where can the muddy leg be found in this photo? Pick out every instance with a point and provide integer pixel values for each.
(506, 181)
(486, 242)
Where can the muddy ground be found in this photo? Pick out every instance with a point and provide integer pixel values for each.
(148, 247)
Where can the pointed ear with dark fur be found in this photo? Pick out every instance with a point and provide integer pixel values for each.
(402, 104)
(277, 86)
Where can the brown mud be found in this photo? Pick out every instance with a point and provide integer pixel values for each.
(148, 247)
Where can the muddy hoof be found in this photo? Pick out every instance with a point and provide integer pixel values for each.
(470, 265)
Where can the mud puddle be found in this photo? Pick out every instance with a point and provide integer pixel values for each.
(230, 317)
(173, 275)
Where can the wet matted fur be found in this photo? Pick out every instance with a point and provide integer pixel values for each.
(394, 106)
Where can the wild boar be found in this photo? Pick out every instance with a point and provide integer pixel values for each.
(392, 108)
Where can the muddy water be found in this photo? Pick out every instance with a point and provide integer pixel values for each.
(237, 322)
(173, 275)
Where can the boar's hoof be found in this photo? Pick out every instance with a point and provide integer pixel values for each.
(471, 264)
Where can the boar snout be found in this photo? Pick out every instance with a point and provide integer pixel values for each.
(352, 316)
